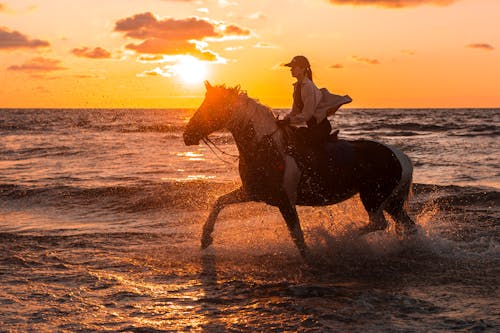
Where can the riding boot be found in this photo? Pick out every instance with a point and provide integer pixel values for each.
(320, 136)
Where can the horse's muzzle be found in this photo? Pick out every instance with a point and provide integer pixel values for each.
(190, 139)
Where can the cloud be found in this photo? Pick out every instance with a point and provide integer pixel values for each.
(234, 30)
(364, 60)
(393, 3)
(156, 72)
(481, 46)
(148, 58)
(11, 39)
(162, 46)
(96, 53)
(336, 66)
(38, 65)
(264, 45)
(172, 36)
(159, 46)
(146, 26)
(207, 55)
(2, 7)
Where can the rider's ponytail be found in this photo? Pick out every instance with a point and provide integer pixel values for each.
(308, 73)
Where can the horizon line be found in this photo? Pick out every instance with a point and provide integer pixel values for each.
(272, 107)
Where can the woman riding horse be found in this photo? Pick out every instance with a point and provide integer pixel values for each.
(382, 175)
(311, 106)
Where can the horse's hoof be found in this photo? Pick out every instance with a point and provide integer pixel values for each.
(206, 241)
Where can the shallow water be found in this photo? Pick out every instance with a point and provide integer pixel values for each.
(101, 213)
(156, 279)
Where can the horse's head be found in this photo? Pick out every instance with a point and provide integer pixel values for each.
(212, 115)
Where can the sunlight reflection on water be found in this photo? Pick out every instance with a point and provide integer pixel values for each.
(189, 178)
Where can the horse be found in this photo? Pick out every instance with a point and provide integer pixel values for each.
(381, 174)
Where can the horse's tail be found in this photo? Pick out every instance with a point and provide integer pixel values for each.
(402, 193)
(397, 204)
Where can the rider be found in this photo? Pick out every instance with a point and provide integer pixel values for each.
(306, 98)
(311, 106)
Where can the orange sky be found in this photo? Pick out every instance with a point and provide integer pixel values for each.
(115, 53)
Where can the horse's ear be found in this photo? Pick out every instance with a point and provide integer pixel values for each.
(208, 85)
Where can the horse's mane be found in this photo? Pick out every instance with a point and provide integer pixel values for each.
(237, 92)
(233, 91)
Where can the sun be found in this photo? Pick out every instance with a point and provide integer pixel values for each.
(190, 70)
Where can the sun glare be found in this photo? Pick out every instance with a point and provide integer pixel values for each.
(190, 70)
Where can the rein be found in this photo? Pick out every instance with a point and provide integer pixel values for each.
(206, 140)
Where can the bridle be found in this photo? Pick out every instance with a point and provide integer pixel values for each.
(207, 141)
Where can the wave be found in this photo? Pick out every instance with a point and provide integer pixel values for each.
(414, 128)
(123, 128)
(478, 131)
(134, 128)
(396, 129)
(39, 152)
(155, 128)
(354, 123)
(127, 199)
(45, 120)
(198, 194)
(453, 195)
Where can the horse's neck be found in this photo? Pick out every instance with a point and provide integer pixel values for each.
(253, 127)
(249, 115)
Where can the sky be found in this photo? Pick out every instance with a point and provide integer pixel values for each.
(157, 53)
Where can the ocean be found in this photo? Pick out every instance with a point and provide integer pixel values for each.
(101, 213)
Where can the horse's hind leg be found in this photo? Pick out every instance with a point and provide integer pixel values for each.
(236, 196)
(373, 204)
(396, 208)
(376, 222)
(404, 224)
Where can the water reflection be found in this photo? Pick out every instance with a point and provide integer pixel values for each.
(192, 156)
(210, 307)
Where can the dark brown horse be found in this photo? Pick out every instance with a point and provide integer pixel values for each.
(382, 175)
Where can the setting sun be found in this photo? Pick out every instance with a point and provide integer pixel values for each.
(190, 70)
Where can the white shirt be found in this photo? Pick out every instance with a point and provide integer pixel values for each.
(311, 96)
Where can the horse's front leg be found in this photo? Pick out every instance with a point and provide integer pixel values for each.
(236, 196)
(292, 221)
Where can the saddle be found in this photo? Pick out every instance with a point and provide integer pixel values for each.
(309, 154)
